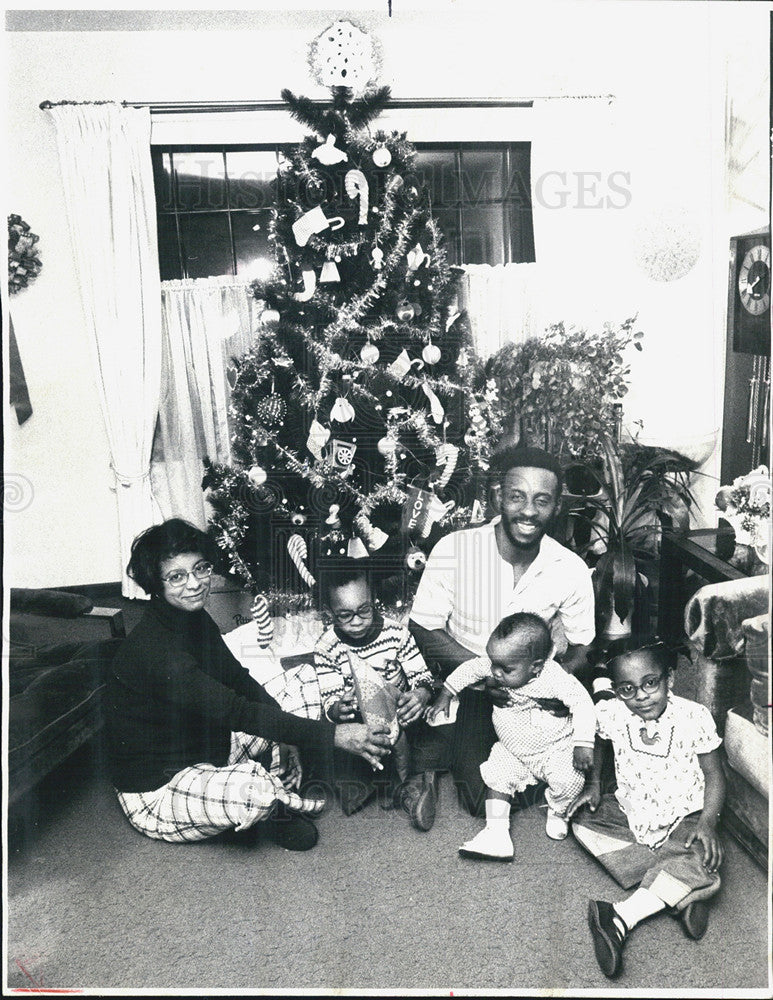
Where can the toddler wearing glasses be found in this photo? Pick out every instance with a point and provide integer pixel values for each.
(658, 829)
(389, 649)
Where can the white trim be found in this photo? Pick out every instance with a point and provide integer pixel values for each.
(422, 125)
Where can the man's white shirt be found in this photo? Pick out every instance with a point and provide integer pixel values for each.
(467, 588)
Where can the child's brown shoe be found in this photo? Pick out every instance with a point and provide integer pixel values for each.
(694, 919)
(608, 938)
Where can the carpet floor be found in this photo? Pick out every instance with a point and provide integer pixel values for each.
(376, 905)
(91, 904)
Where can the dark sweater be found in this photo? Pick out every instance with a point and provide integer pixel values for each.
(174, 695)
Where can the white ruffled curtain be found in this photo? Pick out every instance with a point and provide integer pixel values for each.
(104, 153)
(499, 301)
(205, 323)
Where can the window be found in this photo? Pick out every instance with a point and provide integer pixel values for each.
(214, 204)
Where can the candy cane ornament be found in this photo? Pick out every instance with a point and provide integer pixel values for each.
(447, 457)
(262, 619)
(355, 184)
(296, 547)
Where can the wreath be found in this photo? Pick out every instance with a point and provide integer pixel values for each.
(23, 262)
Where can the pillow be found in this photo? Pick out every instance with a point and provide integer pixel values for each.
(55, 603)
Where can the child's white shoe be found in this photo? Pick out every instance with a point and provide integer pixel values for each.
(556, 827)
(489, 845)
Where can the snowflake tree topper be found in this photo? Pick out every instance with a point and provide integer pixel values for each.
(344, 56)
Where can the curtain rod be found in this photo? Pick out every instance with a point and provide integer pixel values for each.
(199, 107)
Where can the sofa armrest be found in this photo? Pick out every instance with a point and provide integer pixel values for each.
(114, 618)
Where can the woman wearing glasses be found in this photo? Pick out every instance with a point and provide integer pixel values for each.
(193, 737)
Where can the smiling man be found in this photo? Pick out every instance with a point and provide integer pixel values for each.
(477, 576)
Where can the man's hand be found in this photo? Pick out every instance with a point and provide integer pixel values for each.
(590, 796)
(440, 705)
(582, 758)
(357, 738)
(712, 848)
(411, 704)
(343, 710)
(497, 694)
(555, 706)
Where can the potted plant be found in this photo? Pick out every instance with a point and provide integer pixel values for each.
(562, 391)
(638, 491)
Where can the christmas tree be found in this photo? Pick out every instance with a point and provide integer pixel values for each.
(362, 420)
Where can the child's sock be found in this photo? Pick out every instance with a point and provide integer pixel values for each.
(638, 907)
(498, 814)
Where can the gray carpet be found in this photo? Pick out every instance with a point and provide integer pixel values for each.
(92, 904)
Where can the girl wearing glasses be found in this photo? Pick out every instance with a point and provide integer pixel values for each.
(658, 830)
(192, 736)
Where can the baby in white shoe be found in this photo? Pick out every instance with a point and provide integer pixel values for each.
(538, 741)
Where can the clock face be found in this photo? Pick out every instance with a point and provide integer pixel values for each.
(754, 280)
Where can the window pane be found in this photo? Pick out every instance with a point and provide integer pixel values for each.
(521, 234)
(448, 221)
(250, 176)
(437, 168)
(206, 244)
(200, 181)
(254, 254)
(481, 175)
(168, 253)
(162, 180)
(518, 186)
(483, 234)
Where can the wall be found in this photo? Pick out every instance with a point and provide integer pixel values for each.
(666, 64)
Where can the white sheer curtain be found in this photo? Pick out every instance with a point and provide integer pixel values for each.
(500, 304)
(104, 152)
(205, 322)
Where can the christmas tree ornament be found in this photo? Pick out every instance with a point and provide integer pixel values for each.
(309, 285)
(329, 272)
(415, 559)
(269, 319)
(259, 437)
(343, 56)
(332, 518)
(373, 537)
(416, 258)
(377, 258)
(431, 354)
(298, 518)
(421, 510)
(446, 456)
(387, 446)
(355, 549)
(342, 411)
(296, 548)
(369, 354)
(317, 439)
(402, 365)
(312, 222)
(257, 475)
(417, 310)
(476, 516)
(436, 407)
(262, 618)
(271, 410)
(328, 153)
(394, 184)
(405, 311)
(342, 453)
(381, 156)
(356, 185)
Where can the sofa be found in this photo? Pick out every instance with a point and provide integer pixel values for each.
(55, 687)
(728, 625)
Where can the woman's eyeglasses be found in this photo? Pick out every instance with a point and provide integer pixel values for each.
(345, 617)
(649, 685)
(202, 571)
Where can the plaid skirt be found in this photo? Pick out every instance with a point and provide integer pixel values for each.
(203, 801)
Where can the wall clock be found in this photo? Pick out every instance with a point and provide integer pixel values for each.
(749, 291)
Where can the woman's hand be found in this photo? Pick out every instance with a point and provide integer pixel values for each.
(344, 709)
(440, 706)
(357, 738)
(496, 692)
(411, 704)
(290, 772)
(582, 759)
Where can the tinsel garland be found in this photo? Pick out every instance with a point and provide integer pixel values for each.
(24, 264)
